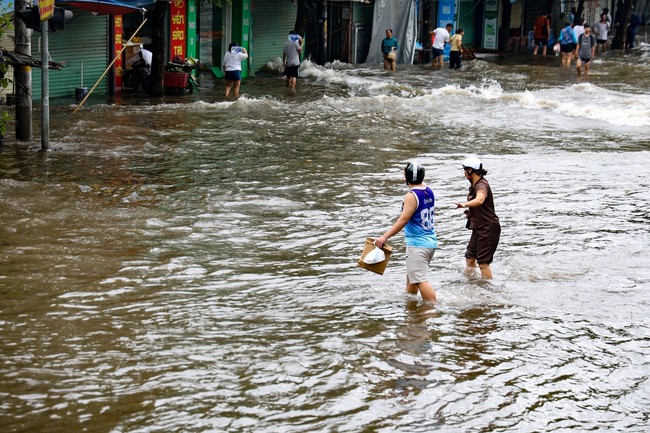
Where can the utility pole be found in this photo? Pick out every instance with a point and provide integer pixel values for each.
(23, 76)
(45, 87)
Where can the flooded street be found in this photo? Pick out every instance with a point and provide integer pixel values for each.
(189, 265)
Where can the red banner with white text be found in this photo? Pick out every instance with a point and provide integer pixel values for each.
(178, 28)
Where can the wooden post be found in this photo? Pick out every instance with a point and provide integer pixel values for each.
(158, 62)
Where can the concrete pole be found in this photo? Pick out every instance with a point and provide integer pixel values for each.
(23, 77)
(45, 87)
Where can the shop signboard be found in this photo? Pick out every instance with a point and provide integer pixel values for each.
(46, 9)
(177, 28)
(117, 48)
(446, 12)
(192, 46)
(490, 24)
(241, 28)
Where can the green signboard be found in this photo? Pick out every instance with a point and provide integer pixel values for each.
(490, 24)
(241, 27)
(192, 43)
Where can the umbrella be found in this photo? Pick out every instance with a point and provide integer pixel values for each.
(106, 7)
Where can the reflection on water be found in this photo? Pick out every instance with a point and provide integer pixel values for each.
(190, 264)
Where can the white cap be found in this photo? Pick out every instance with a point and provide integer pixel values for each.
(472, 162)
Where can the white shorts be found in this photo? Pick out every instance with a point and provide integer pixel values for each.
(417, 263)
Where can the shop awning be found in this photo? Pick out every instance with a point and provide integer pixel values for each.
(107, 7)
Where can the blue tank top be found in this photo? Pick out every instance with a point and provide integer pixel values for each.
(420, 230)
(566, 36)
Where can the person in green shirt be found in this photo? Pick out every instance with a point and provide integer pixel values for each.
(389, 48)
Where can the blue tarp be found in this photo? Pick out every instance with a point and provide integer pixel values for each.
(107, 7)
(97, 5)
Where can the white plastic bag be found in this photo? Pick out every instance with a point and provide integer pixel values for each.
(375, 256)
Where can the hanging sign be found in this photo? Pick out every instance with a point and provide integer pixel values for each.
(177, 28)
(490, 24)
(117, 48)
(192, 46)
(46, 9)
(446, 12)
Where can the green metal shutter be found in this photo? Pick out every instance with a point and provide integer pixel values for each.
(84, 38)
(272, 21)
(469, 21)
(362, 13)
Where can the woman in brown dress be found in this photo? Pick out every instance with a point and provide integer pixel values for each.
(481, 218)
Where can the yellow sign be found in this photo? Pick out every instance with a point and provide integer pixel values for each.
(46, 9)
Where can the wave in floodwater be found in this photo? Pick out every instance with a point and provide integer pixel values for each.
(588, 103)
(190, 264)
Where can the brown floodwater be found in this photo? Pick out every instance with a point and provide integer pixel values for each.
(189, 264)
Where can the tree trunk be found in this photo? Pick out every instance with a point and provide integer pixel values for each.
(306, 10)
(504, 31)
(158, 50)
(578, 16)
(619, 37)
(307, 25)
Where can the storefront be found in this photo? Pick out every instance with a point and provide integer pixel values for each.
(272, 21)
(470, 14)
(88, 44)
(345, 21)
(82, 47)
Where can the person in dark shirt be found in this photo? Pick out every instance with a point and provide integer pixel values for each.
(541, 31)
(632, 28)
(481, 218)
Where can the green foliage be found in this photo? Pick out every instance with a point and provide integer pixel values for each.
(5, 118)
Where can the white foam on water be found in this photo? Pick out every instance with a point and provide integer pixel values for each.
(336, 76)
(592, 102)
(584, 100)
(372, 91)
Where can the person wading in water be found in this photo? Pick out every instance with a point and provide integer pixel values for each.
(481, 218)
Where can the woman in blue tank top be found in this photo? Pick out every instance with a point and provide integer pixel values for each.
(417, 220)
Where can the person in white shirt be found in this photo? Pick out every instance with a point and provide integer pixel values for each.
(291, 58)
(440, 37)
(578, 30)
(602, 30)
(232, 67)
(140, 64)
(142, 55)
(609, 17)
